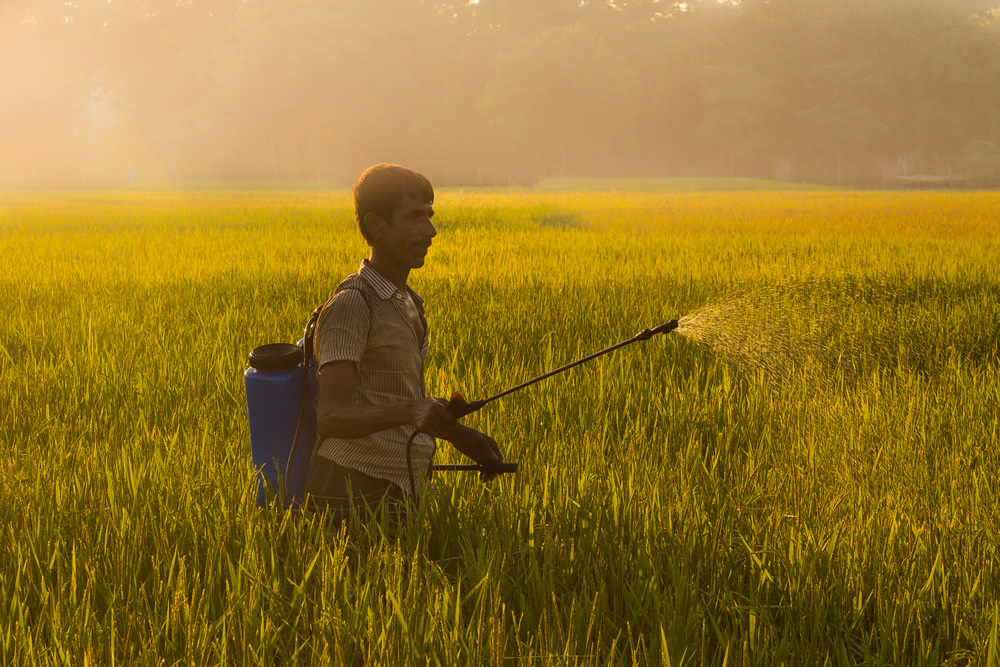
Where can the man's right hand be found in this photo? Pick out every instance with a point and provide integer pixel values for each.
(431, 416)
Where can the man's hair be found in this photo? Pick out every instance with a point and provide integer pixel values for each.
(382, 187)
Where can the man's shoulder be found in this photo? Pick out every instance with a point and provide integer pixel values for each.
(351, 297)
(342, 327)
(353, 282)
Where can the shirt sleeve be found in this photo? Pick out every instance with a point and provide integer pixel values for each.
(342, 329)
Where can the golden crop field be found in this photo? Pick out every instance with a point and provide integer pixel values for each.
(804, 473)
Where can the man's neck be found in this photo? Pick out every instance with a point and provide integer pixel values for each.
(394, 273)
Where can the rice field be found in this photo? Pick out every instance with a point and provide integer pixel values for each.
(804, 473)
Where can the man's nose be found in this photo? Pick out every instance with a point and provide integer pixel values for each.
(431, 231)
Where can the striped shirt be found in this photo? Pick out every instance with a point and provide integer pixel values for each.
(372, 323)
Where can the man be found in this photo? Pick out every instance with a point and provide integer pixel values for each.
(371, 345)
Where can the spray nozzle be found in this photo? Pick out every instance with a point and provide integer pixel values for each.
(664, 328)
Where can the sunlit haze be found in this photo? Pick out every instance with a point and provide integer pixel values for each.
(494, 92)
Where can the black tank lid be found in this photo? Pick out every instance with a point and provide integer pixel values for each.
(276, 357)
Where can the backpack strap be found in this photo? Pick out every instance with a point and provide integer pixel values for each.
(307, 352)
(310, 330)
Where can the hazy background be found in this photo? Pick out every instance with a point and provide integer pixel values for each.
(149, 92)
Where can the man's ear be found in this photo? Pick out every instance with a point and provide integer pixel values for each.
(375, 225)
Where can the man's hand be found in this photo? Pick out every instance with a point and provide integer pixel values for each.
(479, 447)
(432, 417)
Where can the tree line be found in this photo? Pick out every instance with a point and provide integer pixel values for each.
(498, 91)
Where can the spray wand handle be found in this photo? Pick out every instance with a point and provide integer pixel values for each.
(459, 407)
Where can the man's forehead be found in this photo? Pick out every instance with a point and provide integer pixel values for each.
(416, 202)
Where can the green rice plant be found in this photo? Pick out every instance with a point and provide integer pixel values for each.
(803, 474)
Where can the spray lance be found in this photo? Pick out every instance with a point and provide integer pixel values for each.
(459, 407)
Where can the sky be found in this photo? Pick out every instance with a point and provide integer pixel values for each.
(146, 92)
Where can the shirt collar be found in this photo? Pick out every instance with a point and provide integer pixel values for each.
(382, 285)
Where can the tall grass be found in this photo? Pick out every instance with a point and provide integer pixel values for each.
(806, 476)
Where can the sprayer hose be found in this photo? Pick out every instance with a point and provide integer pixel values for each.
(409, 461)
(307, 339)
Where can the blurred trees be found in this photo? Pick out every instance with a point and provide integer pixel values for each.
(497, 91)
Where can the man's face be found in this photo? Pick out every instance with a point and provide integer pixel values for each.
(407, 236)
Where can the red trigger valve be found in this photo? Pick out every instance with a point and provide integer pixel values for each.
(459, 407)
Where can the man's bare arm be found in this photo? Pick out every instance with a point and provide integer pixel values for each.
(338, 417)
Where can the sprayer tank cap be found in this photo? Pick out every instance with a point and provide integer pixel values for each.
(275, 357)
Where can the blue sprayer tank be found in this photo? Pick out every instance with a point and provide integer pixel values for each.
(274, 385)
